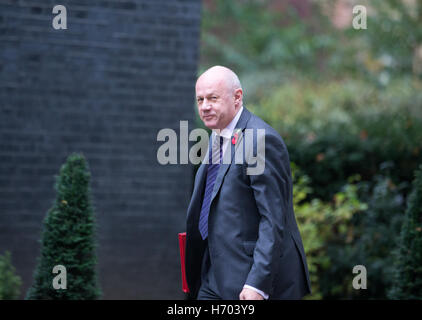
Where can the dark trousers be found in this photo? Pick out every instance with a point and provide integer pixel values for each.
(208, 289)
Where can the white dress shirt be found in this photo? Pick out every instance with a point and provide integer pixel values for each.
(227, 133)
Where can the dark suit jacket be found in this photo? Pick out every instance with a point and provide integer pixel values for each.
(253, 237)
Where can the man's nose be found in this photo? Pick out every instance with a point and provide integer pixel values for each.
(206, 105)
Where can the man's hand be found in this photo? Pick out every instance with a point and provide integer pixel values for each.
(249, 294)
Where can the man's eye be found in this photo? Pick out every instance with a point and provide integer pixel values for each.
(200, 100)
(214, 98)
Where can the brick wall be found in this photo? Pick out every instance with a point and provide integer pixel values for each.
(105, 86)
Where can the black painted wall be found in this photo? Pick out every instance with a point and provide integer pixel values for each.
(122, 71)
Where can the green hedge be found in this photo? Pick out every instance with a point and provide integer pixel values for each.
(322, 224)
(337, 129)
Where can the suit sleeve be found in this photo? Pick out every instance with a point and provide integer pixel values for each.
(271, 190)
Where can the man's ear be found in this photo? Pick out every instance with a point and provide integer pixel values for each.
(238, 94)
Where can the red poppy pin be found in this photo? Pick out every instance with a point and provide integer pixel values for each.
(235, 136)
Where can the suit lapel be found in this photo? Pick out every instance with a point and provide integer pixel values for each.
(202, 170)
(241, 124)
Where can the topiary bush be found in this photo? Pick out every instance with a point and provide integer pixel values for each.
(10, 283)
(407, 282)
(68, 238)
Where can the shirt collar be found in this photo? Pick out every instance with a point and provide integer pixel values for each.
(228, 131)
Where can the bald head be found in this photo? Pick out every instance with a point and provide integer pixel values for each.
(219, 96)
(220, 73)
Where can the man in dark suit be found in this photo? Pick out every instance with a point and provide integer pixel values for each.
(242, 238)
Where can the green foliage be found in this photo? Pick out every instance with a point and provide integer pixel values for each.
(68, 238)
(408, 263)
(10, 283)
(265, 46)
(375, 232)
(250, 36)
(347, 103)
(394, 34)
(334, 130)
(322, 224)
(269, 45)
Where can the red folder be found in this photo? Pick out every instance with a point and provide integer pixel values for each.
(182, 246)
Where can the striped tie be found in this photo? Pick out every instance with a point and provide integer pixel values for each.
(215, 160)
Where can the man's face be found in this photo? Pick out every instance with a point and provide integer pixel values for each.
(217, 103)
